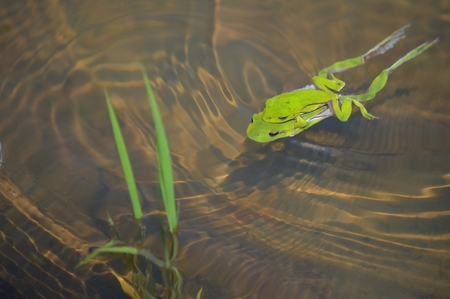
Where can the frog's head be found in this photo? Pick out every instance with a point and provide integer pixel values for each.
(279, 109)
(261, 131)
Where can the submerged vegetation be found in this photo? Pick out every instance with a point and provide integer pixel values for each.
(143, 284)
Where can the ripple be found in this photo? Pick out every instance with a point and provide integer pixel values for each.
(344, 210)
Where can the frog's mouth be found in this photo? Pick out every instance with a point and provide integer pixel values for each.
(273, 134)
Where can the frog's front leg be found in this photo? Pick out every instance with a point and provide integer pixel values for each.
(342, 108)
(333, 84)
(313, 117)
(380, 48)
(300, 122)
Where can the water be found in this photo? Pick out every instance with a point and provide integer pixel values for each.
(344, 210)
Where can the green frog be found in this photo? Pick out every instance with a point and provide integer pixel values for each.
(298, 104)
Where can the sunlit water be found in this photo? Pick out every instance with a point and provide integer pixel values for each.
(345, 210)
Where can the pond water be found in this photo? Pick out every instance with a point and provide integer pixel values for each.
(359, 209)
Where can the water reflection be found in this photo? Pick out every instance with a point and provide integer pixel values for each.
(352, 210)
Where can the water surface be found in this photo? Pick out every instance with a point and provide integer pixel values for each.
(344, 210)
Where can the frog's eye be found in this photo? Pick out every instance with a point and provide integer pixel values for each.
(273, 134)
(282, 118)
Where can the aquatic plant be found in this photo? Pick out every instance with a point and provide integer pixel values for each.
(143, 283)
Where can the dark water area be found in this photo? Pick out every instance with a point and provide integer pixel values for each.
(359, 209)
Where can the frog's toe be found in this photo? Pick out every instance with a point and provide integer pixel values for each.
(370, 116)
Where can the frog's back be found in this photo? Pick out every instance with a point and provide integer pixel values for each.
(296, 100)
(299, 98)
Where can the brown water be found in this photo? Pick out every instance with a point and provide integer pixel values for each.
(345, 210)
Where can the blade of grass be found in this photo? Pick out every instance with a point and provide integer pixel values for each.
(96, 252)
(164, 160)
(199, 294)
(111, 247)
(126, 286)
(124, 159)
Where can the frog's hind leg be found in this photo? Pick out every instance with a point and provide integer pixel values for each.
(380, 81)
(413, 53)
(386, 44)
(380, 48)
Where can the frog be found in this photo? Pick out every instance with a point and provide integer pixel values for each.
(294, 104)
(262, 131)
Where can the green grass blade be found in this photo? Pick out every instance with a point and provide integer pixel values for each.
(96, 252)
(111, 247)
(120, 249)
(199, 294)
(144, 253)
(124, 159)
(177, 282)
(126, 286)
(164, 160)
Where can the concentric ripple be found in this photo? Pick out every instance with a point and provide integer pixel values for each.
(344, 210)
